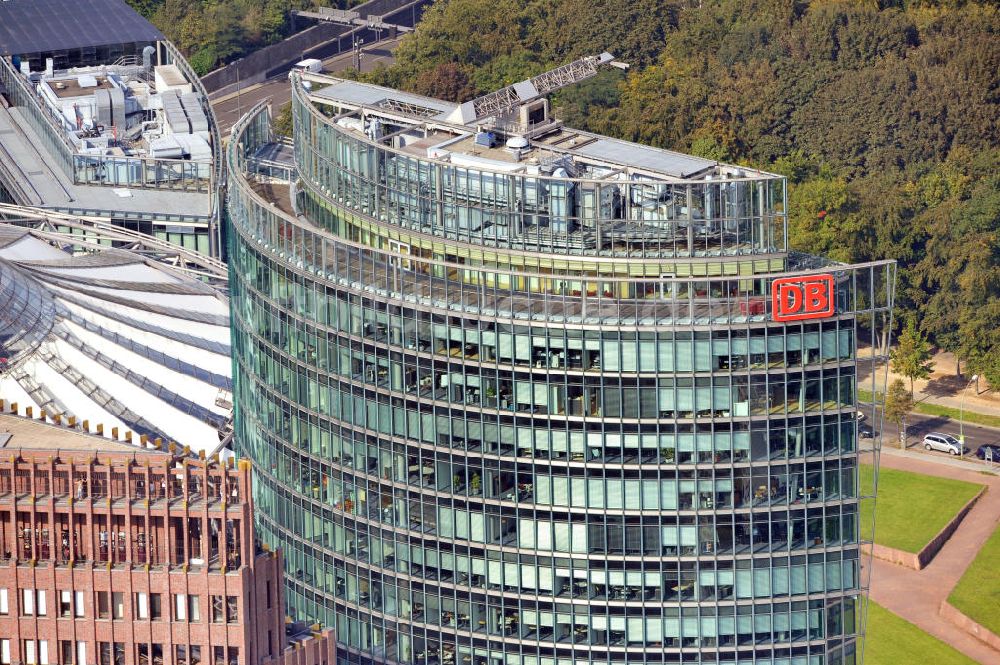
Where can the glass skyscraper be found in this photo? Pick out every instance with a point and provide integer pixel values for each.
(518, 394)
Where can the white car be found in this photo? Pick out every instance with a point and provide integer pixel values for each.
(943, 442)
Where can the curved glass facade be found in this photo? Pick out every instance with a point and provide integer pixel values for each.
(494, 423)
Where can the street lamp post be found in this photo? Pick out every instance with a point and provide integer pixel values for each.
(357, 53)
(961, 415)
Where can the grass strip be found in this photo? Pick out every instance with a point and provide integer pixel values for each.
(892, 640)
(912, 507)
(977, 594)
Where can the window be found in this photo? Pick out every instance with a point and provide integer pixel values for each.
(118, 605)
(5, 652)
(155, 606)
(4, 607)
(103, 604)
(111, 653)
(194, 610)
(81, 652)
(232, 614)
(66, 652)
(65, 603)
(32, 602)
(270, 643)
(150, 654)
(217, 610)
(180, 607)
(35, 652)
(195, 655)
(141, 606)
(269, 594)
(78, 605)
(180, 655)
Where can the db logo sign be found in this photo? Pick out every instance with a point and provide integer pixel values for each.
(796, 298)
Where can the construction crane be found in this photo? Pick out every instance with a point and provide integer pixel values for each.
(500, 102)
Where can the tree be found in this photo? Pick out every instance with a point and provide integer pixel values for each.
(282, 123)
(912, 355)
(980, 333)
(898, 404)
(447, 81)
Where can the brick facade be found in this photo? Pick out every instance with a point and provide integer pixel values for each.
(137, 557)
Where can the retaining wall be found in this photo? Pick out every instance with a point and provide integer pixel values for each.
(981, 633)
(322, 40)
(923, 558)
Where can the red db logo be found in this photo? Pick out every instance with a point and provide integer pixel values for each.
(796, 298)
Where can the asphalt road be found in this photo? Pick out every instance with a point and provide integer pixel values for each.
(229, 109)
(918, 425)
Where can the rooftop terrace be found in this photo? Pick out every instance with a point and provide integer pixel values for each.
(524, 137)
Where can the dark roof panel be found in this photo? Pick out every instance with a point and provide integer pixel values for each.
(35, 26)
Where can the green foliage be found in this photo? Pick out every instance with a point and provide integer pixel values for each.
(203, 60)
(282, 122)
(898, 405)
(214, 32)
(446, 81)
(912, 355)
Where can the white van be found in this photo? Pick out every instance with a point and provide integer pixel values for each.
(312, 65)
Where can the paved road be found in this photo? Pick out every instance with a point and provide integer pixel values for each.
(229, 108)
(916, 595)
(918, 425)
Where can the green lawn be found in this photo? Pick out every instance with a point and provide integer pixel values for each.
(978, 592)
(912, 508)
(927, 409)
(891, 640)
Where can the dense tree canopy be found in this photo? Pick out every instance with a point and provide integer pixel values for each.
(885, 116)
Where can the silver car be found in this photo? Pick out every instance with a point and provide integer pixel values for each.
(943, 442)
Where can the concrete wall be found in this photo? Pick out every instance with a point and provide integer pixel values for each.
(254, 67)
(981, 633)
(322, 40)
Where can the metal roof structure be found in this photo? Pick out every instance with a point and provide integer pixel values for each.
(554, 142)
(113, 338)
(38, 26)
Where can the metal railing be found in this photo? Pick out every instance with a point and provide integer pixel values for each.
(85, 169)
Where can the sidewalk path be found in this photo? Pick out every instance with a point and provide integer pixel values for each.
(943, 388)
(917, 595)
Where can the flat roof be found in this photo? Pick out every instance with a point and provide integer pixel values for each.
(437, 114)
(20, 432)
(387, 99)
(37, 26)
(44, 181)
(65, 87)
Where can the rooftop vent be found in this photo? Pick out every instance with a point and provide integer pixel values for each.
(517, 143)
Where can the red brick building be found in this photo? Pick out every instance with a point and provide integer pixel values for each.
(112, 554)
